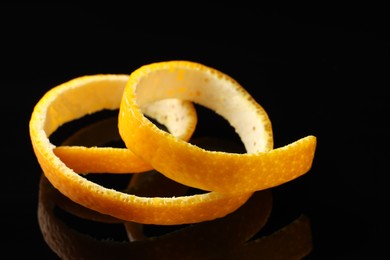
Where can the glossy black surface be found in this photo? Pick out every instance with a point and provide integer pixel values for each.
(322, 72)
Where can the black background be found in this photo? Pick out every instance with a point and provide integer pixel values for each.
(320, 70)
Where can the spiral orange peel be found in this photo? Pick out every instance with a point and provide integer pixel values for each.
(260, 168)
(230, 178)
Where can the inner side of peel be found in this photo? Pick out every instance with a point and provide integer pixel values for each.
(211, 89)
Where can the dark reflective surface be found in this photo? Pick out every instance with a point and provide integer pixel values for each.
(322, 72)
(73, 231)
(89, 235)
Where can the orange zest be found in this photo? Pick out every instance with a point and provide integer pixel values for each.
(164, 91)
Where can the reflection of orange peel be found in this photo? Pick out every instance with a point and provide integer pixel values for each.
(262, 167)
(201, 240)
(90, 94)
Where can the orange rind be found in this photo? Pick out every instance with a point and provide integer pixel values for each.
(166, 92)
(260, 168)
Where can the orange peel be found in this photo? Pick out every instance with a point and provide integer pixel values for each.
(89, 94)
(153, 89)
(260, 168)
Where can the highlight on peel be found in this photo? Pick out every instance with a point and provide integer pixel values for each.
(260, 168)
(89, 94)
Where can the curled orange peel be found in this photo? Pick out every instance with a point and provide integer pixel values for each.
(260, 168)
(88, 94)
(164, 91)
